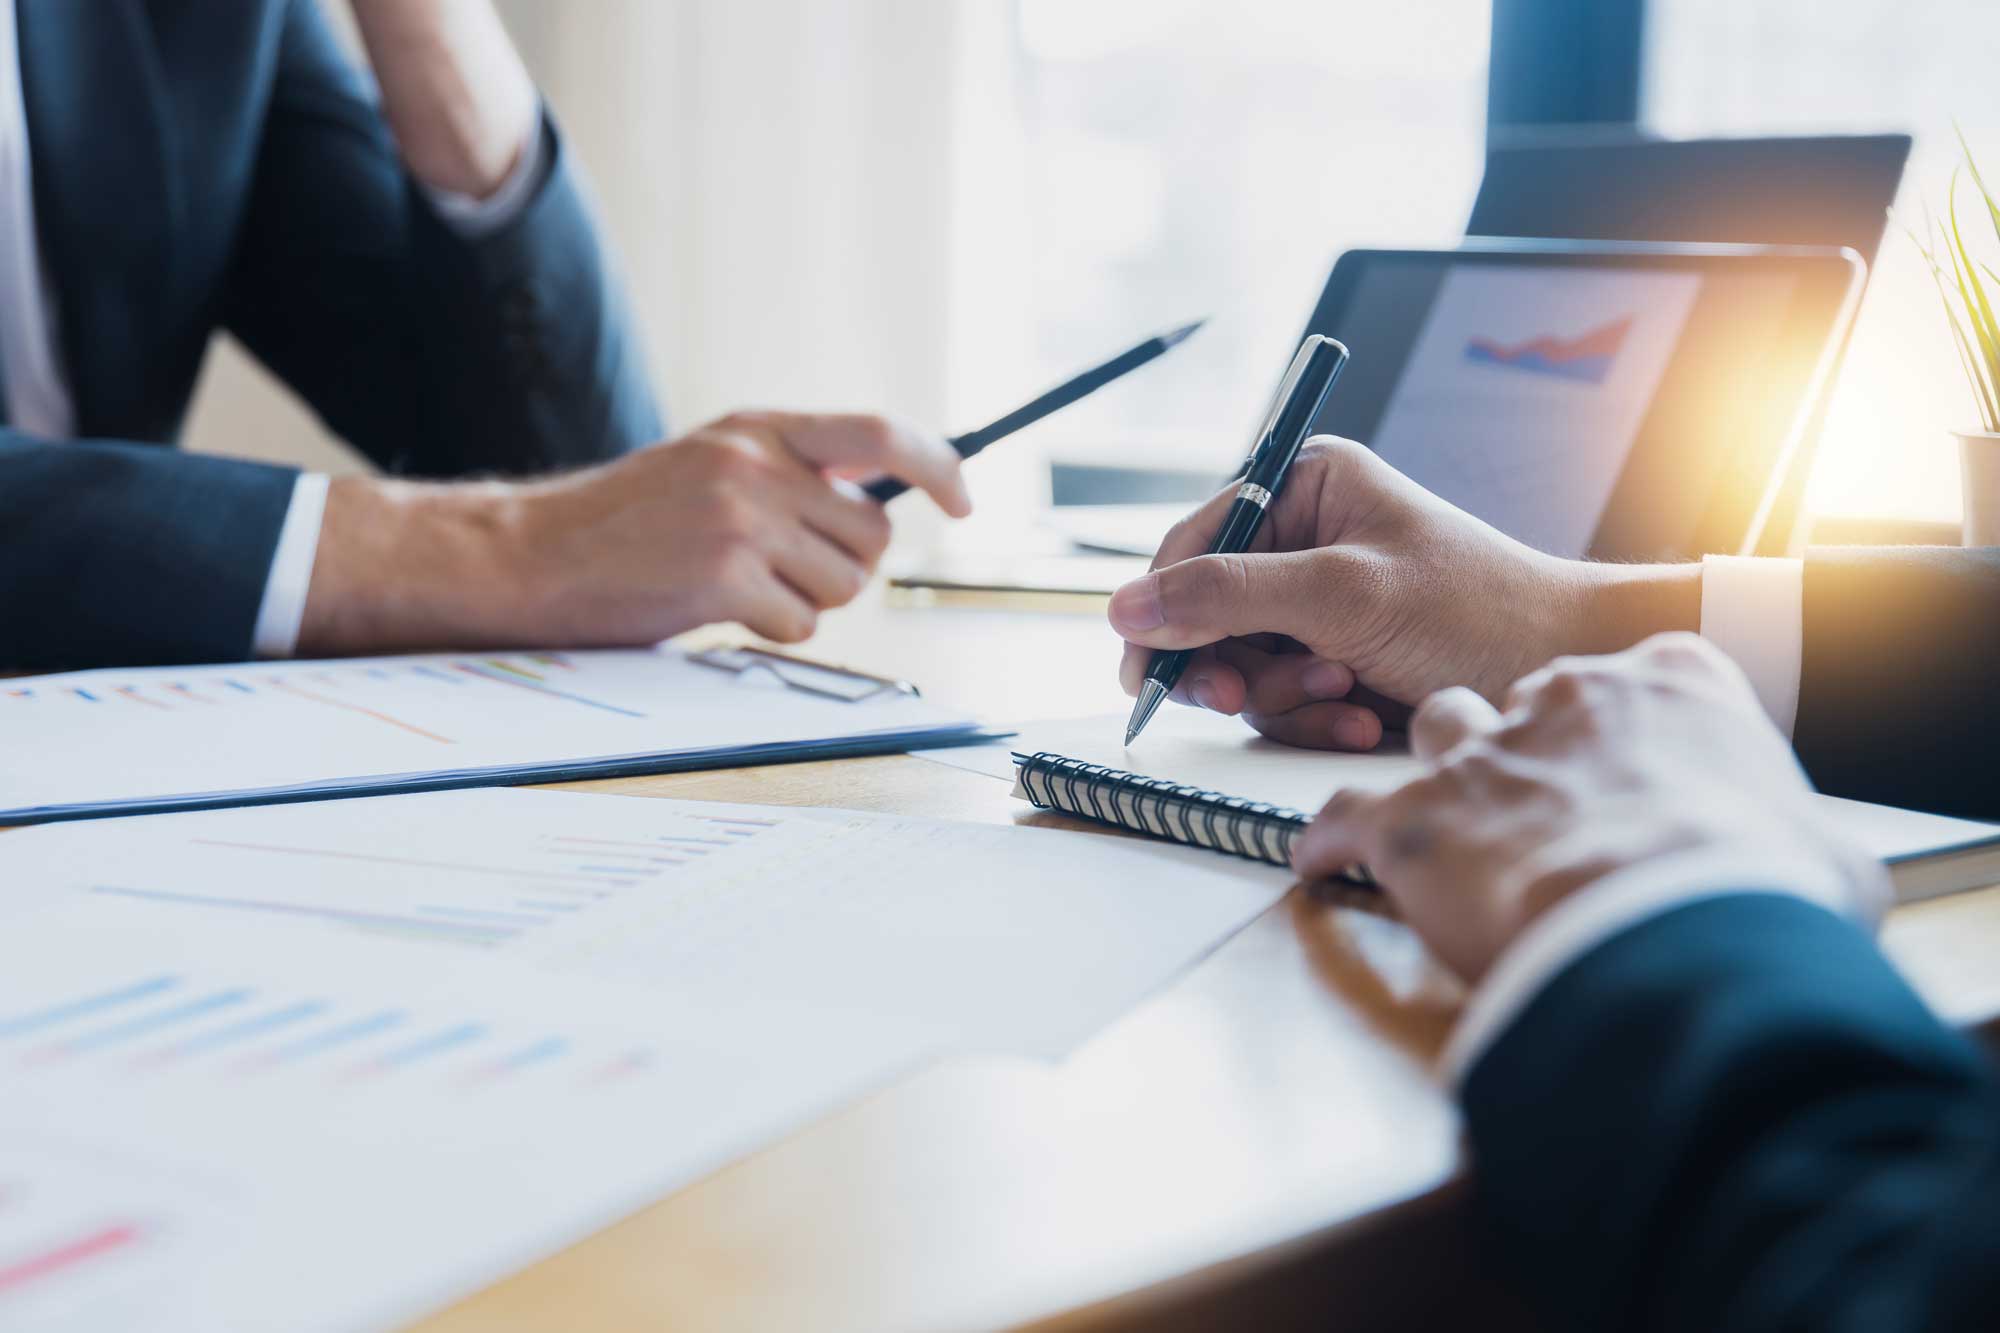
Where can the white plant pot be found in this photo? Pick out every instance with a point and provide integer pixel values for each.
(1979, 465)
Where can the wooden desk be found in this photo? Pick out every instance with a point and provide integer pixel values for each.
(1264, 1138)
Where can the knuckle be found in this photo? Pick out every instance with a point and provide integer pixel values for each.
(724, 456)
(878, 433)
(740, 564)
(1339, 455)
(734, 518)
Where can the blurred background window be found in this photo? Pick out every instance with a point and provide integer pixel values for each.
(1186, 159)
(1808, 66)
(939, 207)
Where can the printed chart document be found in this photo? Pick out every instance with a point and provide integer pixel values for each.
(330, 1065)
(108, 742)
(201, 1132)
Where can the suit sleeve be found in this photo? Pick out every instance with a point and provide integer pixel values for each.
(129, 553)
(434, 353)
(1735, 1116)
(1901, 650)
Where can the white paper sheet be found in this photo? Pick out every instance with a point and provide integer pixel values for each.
(327, 1066)
(94, 737)
(203, 1132)
(1197, 747)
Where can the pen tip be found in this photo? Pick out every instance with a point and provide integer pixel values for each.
(1183, 333)
(1151, 694)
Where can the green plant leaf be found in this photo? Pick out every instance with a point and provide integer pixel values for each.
(1978, 308)
(1983, 388)
(1972, 164)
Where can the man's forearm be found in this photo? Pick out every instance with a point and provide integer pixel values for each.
(404, 566)
(454, 91)
(1629, 603)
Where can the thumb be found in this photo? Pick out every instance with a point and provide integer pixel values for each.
(1215, 597)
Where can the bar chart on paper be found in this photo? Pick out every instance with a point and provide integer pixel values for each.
(103, 741)
(428, 883)
(817, 909)
(215, 1028)
(220, 1128)
(88, 1238)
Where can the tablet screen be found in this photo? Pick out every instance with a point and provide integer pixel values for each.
(1584, 407)
(1523, 394)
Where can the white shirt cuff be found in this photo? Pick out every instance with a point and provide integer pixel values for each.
(1618, 902)
(473, 218)
(1753, 609)
(285, 587)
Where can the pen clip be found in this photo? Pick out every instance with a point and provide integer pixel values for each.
(1279, 399)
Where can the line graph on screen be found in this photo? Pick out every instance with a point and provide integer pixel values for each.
(1586, 357)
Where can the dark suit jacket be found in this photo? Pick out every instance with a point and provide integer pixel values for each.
(1736, 1117)
(1899, 685)
(201, 166)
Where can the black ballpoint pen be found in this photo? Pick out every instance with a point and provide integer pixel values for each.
(1080, 386)
(1300, 396)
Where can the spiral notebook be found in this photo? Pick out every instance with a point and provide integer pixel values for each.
(1196, 816)
(1239, 794)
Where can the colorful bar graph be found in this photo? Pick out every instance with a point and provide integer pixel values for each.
(258, 1026)
(541, 1052)
(424, 1048)
(144, 1024)
(88, 1005)
(319, 1043)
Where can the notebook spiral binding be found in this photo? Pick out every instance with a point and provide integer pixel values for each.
(1254, 829)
